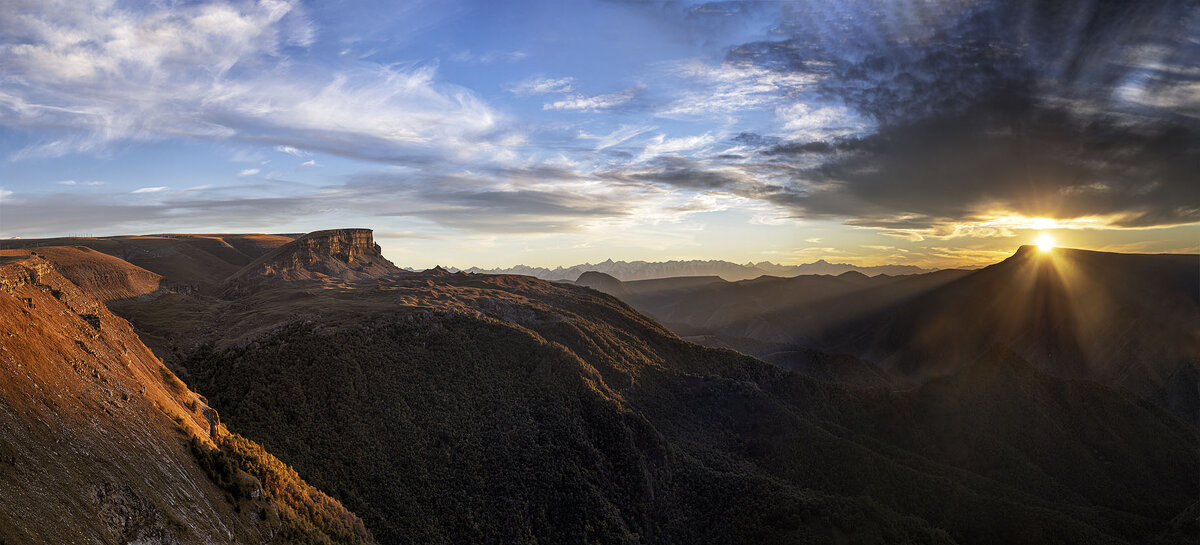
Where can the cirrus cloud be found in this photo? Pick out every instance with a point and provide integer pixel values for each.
(593, 103)
(540, 85)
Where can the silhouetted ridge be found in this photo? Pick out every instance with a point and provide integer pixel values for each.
(1124, 320)
(603, 283)
(630, 271)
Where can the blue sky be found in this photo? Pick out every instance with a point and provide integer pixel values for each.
(552, 133)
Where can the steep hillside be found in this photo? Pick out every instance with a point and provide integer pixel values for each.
(99, 443)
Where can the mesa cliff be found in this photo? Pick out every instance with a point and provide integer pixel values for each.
(341, 254)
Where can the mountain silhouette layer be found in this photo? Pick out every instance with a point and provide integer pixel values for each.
(728, 271)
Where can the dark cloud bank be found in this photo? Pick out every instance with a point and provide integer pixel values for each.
(1059, 109)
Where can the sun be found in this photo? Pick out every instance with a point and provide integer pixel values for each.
(1045, 243)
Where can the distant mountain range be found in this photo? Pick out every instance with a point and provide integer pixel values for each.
(733, 272)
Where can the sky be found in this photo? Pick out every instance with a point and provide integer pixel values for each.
(933, 133)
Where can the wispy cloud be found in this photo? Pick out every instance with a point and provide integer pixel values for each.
(661, 145)
(248, 172)
(593, 103)
(241, 155)
(721, 90)
(92, 183)
(149, 189)
(290, 150)
(621, 134)
(807, 123)
(466, 56)
(540, 85)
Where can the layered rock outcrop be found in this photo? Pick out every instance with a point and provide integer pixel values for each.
(343, 254)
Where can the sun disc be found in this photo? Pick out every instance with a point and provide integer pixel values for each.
(1045, 243)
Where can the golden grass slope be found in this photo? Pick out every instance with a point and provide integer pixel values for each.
(94, 435)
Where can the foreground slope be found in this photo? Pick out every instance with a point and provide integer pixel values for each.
(99, 443)
(472, 408)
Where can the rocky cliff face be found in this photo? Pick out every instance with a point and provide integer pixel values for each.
(88, 447)
(342, 254)
(99, 442)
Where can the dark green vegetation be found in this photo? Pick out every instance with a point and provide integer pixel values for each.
(529, 412)
(258, 481)
(455, 429)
